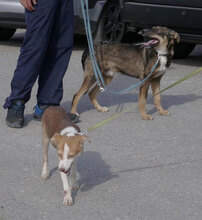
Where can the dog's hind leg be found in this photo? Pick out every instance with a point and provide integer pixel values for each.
(143, 100)
(155, 84)
(93, 95)
(87, 83)
(45, 143)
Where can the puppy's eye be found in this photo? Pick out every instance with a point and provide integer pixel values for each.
(60, 155)
(70, 156)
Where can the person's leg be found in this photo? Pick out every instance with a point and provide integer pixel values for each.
(50, 80)
(39, 28)
(34, 48)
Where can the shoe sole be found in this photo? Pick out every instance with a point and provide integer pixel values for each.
(14, 125)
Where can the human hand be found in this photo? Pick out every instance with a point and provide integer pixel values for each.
(28, 4)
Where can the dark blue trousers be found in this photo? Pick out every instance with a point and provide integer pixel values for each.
(45, 52)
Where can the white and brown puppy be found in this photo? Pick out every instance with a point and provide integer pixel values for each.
(65, 136)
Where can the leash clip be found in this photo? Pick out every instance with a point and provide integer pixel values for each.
(82, 133)
(100, 87)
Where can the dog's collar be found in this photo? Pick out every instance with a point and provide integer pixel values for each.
(143, 43)
(162, 54)
(81, 133)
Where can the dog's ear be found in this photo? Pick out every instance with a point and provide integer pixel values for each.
(55, 139)
(79, 144)
(174, 35)
(84, 138)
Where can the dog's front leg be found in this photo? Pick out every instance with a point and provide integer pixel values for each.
(72, 177)
(155, 84)
(45, 173)
(143, 100)
(67, 190)
(94, 93)
(93, 98)
(87, 83)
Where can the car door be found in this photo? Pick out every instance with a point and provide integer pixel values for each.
(183, 15)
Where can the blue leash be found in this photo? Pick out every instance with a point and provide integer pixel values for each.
(97, 72)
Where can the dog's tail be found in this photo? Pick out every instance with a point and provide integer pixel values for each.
(84, 56)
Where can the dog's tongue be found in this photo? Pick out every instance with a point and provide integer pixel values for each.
(150, 43)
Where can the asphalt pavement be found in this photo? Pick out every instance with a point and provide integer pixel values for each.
(132, 170)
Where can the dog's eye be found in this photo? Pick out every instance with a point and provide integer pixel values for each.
(60, 155)
(70, 156)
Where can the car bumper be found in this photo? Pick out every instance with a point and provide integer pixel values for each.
(11, 15)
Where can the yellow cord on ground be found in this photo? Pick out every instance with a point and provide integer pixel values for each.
(130, 108)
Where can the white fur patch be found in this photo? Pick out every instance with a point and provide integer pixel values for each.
(65, 163)
(162, 67)
(69, 131)
(110, 73)
(66, 151)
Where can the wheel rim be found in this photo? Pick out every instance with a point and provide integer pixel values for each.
(113, 26)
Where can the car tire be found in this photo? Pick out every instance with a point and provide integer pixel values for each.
(182, 50)
(111, 26)
(6, 33)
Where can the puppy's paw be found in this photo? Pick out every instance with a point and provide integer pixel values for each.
(45, 175)
(147, 117)
(164, 112)
(103, 109)
(68, 201)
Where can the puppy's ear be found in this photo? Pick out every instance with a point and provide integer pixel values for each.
(174, 35)
(55, 139)
(85, 138)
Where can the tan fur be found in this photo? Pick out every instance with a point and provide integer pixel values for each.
(132, 60)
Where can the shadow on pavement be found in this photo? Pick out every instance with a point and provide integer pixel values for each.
(119, 101)
(93, 170)
(167, 101)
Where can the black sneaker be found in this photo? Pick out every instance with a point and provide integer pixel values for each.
(15, 114)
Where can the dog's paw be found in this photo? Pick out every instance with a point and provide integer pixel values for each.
(76, 113)
(103, 109)
(164, 112)
(45, 175)
(147, 117)
(68, 201)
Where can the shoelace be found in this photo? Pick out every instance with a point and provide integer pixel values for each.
(18, 109)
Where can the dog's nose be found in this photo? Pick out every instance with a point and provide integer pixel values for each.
(62, 169)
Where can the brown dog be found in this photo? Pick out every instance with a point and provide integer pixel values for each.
(133, 60)
(65, 136)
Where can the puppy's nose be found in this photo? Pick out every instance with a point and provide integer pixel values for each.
(62, 169)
